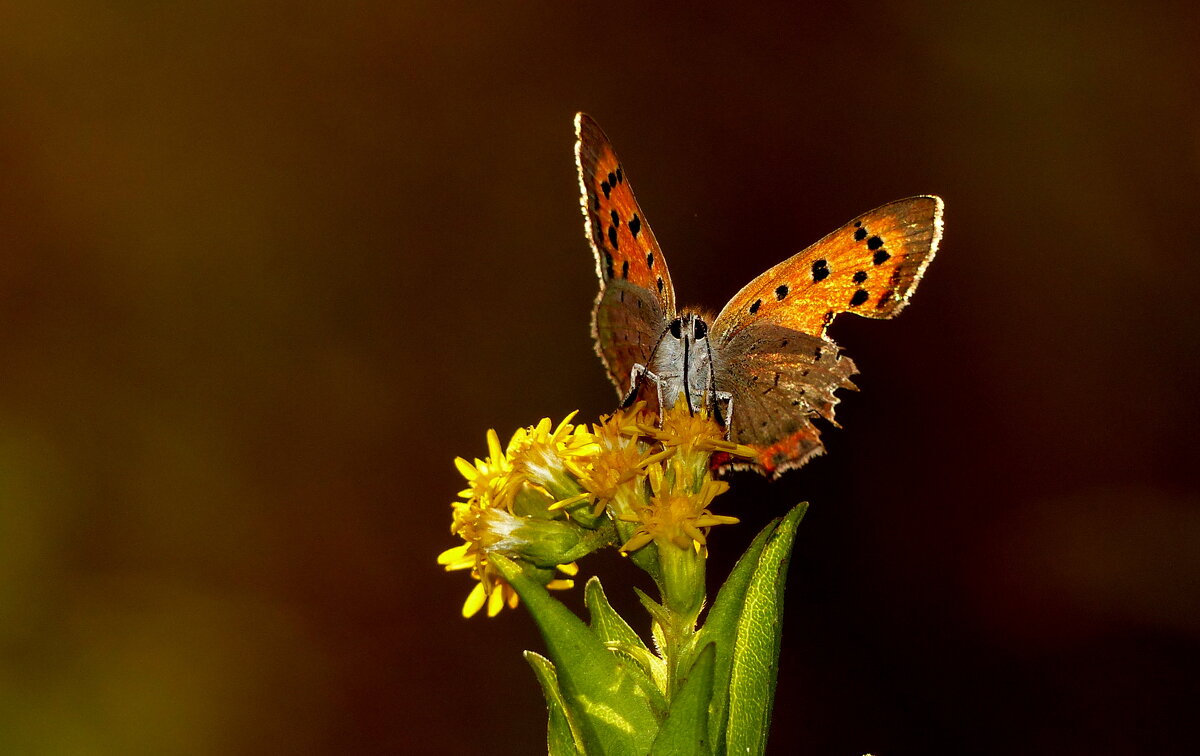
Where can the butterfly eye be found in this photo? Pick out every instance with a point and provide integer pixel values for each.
(699, 329)
(676, 328)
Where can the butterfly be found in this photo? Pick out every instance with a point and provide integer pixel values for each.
(763, 366)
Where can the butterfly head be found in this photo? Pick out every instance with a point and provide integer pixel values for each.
(683, 361)
(690, 326)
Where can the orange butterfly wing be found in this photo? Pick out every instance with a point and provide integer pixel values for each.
(869, 267)
(636, 298)
(775, 359)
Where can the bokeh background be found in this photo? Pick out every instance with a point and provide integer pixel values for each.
(268, 267)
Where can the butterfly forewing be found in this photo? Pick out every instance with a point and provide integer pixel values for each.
(636, 299)
(869, 267)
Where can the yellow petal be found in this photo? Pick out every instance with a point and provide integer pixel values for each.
(571, 500)
(466, 468)
(493, 442)
(636, 542)
(495, 602)
(657, 457)
(452, 555)
(474, 601)
(565, 425)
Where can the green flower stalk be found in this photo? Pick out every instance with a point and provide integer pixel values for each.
(552, 496)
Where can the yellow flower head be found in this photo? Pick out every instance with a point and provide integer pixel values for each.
(618, 463)
(690, 432)
(623, 468)
(485, 519)
(491, 482)
(544, 457)
(677, 512)
(485, 529)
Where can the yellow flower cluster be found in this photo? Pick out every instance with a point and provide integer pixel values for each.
(648, 483)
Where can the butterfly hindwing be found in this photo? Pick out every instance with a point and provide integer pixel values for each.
(636, 298)
(780, 379)
(869, 267)
(626, 324)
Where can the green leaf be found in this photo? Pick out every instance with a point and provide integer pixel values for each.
(720, 627)
(658, 612)
(608, 626)
(685, 730)
(561, 739)
(619, 637)
(602, 696)
(756, 648)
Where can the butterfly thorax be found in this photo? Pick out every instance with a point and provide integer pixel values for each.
(682, 362)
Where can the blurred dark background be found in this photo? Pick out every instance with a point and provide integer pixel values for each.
(268, 267)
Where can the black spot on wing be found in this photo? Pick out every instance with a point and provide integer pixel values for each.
(881, 257)
(860, 276)
(608, 264)
(612, 237)
(884, 299)
(635, 225)
(595, 200)
(874, 243)
(616, 219)
(820, 270)
(650, 260)
(754, 307)
(781, 292)
(859, 297)
(606, 188)
(860, 234)
(625, 269)
(612, 180)
(620, 176)
(660, 284)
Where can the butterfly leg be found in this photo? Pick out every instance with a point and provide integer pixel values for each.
(639, 375)
(723, 409)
